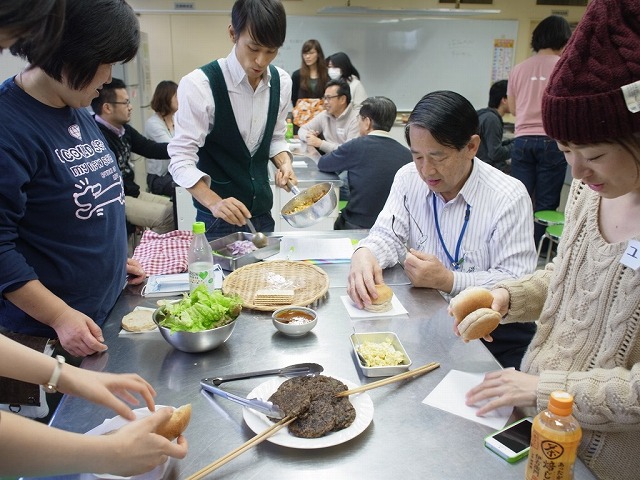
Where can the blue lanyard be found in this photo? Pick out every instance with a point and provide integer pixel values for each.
(457, 262)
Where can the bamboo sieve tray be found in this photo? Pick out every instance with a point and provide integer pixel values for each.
(308, 282)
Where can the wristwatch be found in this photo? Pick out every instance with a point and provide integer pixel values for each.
(52, 385)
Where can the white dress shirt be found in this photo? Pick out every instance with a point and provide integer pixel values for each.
(497, 243)
(196, 115)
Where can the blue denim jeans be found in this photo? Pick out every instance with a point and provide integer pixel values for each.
(538, 163)
(217, 228)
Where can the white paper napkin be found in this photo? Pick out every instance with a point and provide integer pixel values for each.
(449, 395)
(113, 424)
(355, 312)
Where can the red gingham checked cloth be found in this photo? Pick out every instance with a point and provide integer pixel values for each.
(164, 254)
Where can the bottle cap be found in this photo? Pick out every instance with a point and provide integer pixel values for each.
(199, 227)
(561, 403)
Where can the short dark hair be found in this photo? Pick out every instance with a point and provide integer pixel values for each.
(552, 32)
(95, 33)
(381, 111)
(36, 23)
(497, 92)
(342, 61)
(107, 94)
(449, 117)
(162, 96)
(343, 88)
(265, 20)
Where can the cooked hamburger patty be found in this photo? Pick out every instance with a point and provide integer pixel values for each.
(313, 400)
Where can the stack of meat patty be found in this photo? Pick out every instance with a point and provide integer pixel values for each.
(313, 401)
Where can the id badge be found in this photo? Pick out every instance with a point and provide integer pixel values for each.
(631, 256)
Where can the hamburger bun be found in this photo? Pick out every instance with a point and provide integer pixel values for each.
(177, 423)
(140, 320)
(476, 301)
(383, 302)
(481, 323)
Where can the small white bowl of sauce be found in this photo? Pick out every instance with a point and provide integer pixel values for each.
(294, 321)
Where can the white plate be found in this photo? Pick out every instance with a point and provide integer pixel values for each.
(258, 422)
(113, 424)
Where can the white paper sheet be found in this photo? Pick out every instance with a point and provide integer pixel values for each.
(296, 248)
(449, 395)
(355, 312)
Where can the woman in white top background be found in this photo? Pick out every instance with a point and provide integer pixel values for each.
(159, 127)
(340, 66)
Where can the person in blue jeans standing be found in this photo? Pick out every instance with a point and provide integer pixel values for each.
(536, 160)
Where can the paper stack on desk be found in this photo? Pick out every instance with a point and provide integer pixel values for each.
(314, 250)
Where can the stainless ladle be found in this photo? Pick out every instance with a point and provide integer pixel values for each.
(297, 370)
(259, 239)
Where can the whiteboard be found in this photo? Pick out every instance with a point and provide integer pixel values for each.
(406, 58)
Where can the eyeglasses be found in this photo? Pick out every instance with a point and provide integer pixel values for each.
(127, 102)
(423, 238)
(329, 97)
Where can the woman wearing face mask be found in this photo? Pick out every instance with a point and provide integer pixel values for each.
(308, 84)
(340, 66)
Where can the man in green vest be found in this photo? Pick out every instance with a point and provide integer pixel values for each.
(231, 121)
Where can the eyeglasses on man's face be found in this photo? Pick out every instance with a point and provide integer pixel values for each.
(126, 102)
(326, 98)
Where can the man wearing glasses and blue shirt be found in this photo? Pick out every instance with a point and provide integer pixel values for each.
(455, 221)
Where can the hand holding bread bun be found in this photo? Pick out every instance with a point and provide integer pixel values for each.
(473, 315)
(383, 302)
(177, 423)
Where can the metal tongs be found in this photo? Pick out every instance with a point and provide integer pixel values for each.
(257, 404)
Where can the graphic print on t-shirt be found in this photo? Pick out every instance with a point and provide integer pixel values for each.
(98, 179)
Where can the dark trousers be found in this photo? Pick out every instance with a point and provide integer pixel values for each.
(217, 228)
(538, 163)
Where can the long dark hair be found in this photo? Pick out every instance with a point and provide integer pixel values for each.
(321, 65)
(342, 61)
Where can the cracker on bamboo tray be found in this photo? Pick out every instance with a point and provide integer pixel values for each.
(270, 296)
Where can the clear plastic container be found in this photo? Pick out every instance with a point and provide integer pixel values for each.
(200, 260)
(555, 437)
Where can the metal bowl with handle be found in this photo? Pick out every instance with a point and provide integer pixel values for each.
(309, 206)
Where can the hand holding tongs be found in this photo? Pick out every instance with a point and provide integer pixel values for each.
(262, 406)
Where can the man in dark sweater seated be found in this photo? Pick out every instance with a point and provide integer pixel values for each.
(372, 161)
(112, 110)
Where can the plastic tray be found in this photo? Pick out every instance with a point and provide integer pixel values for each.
(223, 257)
(379, 337)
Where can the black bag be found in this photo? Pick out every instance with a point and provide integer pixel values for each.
(20, 397)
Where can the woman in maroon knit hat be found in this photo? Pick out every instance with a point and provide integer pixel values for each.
(587, 302)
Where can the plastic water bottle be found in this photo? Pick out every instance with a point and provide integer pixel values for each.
(288, 136)
(555, 437)
(200, 259)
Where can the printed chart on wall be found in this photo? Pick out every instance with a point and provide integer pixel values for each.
(502, 59)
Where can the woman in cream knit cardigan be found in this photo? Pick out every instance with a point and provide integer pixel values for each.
(587, 302)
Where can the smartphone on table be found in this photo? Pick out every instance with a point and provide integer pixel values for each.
(512, 442)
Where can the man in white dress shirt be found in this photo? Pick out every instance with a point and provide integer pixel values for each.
(464, 222)
(231, 121)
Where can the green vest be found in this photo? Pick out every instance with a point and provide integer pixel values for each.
(226, 158)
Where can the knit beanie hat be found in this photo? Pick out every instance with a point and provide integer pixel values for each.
(593, 94)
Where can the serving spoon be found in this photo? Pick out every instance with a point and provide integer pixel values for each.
(259, 239)
(297, 370)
